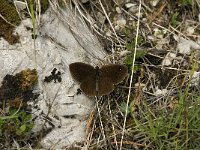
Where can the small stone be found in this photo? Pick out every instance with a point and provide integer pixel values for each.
(154, 2)
(168, 59)
(166, 62)
(108, 33)
(84, 1)
(150, 37)
(199, 17)
(101, 17)
(129, 5)
(160, 92)
(118, 10)
(140, 85)
(185, 46)
(117, 28)
(133, 9)
(172, 55)
(124, 53)
(20, 5)
(190, 30)
(121, 21)
(195, 79)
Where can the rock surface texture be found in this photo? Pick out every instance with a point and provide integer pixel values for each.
(62, 39)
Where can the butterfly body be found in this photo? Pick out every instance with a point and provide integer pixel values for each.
(97, 81)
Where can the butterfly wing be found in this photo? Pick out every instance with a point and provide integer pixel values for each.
(114, 73)
(81, 71)
(88, 86)
(105, 86)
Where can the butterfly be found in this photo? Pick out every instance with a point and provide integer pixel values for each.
(97, 81)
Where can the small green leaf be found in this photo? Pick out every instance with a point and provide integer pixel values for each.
(140, 54)
(127, 32)
(130, 46)
(29, 126)
(123, 108)
(136, 67)
(22, 128)
(174, 19)
(27, 118)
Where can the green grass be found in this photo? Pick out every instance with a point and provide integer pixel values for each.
(165, 126)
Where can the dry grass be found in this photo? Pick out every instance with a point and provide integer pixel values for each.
(137, 117)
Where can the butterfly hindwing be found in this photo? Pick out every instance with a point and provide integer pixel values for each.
(104, 86)
(88, 86)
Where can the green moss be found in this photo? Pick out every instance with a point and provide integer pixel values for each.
(44, 5)
(29, 78)
(10, 14)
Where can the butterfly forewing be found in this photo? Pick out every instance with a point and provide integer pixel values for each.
(81, 71)
(115, 73)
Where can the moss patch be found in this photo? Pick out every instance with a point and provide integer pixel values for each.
(43, 3)
(9, 13)
(15, 120)
(19, 87)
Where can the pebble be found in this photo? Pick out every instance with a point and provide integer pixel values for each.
(160, 92)
(118, 10)
(154, 2)
(129, 5)
(133, 9)
(190, 30)
(167, 61)
(84, 1)
(101, 17)
(20, 5)
(121, 21)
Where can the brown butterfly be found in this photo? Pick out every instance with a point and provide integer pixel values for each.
(97, 81)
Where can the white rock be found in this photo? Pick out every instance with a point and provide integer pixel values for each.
(160, 92)
(129, 5)
(118, 10)
(167, 61)
(159, 33)
(101, 17)
(140, 85)
(150, 37)
(108, 33)
(124, 53)
(172, 55)
(195, 79)
(121, 21)
(133, 9)
(117, 28)
(199, 17)
(20, 5)
(84, 1)
(190, 30)
(61, 42)
(154, 2)
(185, 46)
